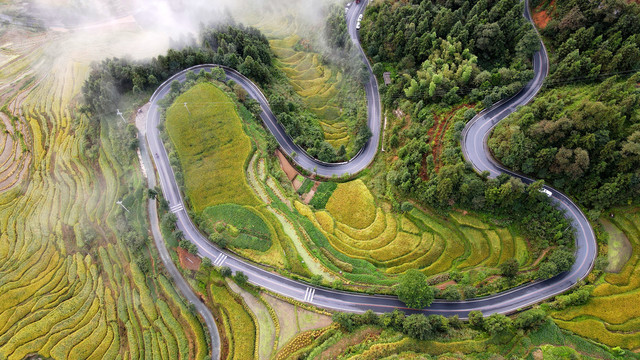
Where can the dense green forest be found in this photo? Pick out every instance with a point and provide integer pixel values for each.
(462, 56)
(591, 39)
(443, 51)
(584, 139)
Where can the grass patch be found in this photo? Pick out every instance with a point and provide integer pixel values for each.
(213, 157)
(251, 230)
(619, 246)
(306, 186)
(322, 195)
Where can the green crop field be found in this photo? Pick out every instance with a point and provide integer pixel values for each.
(611, 315)
(251, 231)
(69, 284)
(213, 157)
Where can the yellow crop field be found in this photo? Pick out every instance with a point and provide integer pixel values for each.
(67, 289)
(360, 229)
(352, 204)
(610, 316)
(240, 322)
(213, 157)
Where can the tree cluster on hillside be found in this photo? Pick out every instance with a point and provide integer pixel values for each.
(442, 51)
(242, 48)
(591, 39)
(421, 327)
(583, 140)
(239, 47)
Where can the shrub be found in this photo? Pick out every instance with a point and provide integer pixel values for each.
(322, 195)
(496, 324)
(225, 271)
(414, 291)
(509, 268)
(476, 320)
(345, 320)
(417, 326)
(240, 278)
(530, 319)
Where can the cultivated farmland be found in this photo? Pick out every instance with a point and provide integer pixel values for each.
(358, 228)
(611, 315)
(219, 147)
(335, 98)
(70, 286)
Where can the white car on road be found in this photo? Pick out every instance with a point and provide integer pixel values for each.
(546, 192)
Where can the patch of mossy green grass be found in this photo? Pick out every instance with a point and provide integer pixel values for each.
(212, 147)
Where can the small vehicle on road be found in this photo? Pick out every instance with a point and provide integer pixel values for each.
(358, 26)
(360, 17)
(546, 192)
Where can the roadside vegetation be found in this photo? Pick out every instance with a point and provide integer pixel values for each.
(582, 139)
(253, 324)
(529, 335)
(580, 135)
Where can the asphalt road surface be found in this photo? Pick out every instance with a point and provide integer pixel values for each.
(176, 276)
(475, 151)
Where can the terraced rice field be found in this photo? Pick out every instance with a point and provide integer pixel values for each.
(358, 228)
(323, 89)
(68, 285)
(318, 85)
(611, 315)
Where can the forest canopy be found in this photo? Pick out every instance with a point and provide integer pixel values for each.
(584, 140)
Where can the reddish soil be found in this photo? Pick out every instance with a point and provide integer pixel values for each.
(296, 184)
(436, 134)
(187, 260)
(535, 263)
(444, 285)
(542, 17)
(286, 166)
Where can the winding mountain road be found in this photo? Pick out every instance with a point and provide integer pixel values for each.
(476, 152)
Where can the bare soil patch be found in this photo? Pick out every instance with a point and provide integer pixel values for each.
(187, 260)
(542, 17)
(308, 196)
(286, 166)
(359, 337)
(544, 253)
(446, 284)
